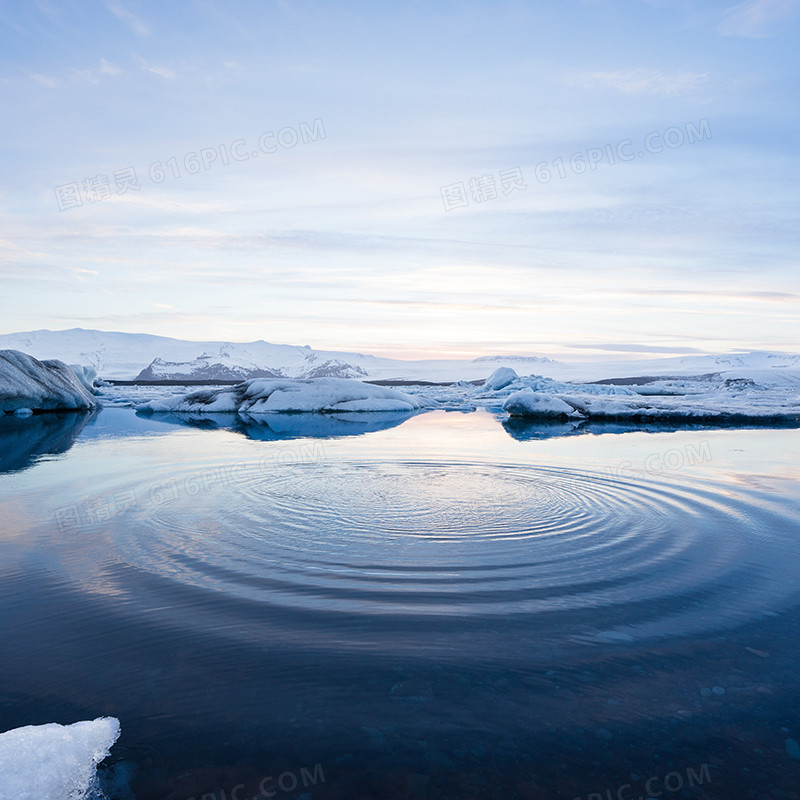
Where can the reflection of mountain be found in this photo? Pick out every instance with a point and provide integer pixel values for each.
(24, 439)
(269, 427)
(524, 429)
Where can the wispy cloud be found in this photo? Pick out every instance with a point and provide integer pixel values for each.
(644, 81)
(756, 19)
(44, 80)
(163, 72)
(130, 19)
(627, 347)
(78, 76)
(107, 68)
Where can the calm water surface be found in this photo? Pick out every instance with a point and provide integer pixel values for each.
(433, 607)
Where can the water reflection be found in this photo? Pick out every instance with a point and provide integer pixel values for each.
(23, 440)
(273, 427)
(523, 429)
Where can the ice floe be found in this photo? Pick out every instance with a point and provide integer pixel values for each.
(268, 395)
(54, 762)
(27, 383)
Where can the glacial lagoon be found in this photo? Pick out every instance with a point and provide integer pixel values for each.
(436, 605)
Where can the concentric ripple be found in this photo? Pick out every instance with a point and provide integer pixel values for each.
(463, 540)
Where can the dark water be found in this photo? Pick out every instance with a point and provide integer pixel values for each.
(433, 607)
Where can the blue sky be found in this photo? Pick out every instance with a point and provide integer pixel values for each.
(409, 179)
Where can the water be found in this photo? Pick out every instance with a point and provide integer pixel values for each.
(432, 607)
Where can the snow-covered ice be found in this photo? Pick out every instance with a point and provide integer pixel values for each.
(704, 398)
(27, 383)
(270, 395)
(54, 762)
(499, 379)
(722, 387)
(86, 375)
(527, 403)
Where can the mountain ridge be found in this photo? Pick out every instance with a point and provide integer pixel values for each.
(144, 356)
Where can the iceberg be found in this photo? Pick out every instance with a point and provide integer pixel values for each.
(527, 403)
(27, 383)
(286, 395)
(86, 375)
(54, 762)
(499, 379)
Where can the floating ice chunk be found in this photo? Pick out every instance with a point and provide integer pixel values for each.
(86, 375)
(527, 403)
(271, 395)
(54, 762)
(499, 379)
(26, 382)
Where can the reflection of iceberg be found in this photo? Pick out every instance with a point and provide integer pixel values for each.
(54, 762)
(526, 428)
(23, 439)
(522, 428)
(270, 427)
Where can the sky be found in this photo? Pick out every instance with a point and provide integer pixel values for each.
(575, 178)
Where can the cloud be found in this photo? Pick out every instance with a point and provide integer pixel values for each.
(635, 348)
(756, 18)
(50, 83)
(131, 20)
(645, 81)
(78, 76)
(163, 72)
(106, 68)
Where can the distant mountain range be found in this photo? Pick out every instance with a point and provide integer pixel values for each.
(139, 356)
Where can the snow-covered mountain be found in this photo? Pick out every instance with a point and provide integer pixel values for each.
(128, 356)
(222, 367)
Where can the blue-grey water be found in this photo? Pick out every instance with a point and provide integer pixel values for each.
(377, 606)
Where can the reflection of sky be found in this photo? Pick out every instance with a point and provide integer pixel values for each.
(425, 508)
(344, 241)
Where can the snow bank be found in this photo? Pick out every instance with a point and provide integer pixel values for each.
(269, 395)
(26, 382)
(54, 762)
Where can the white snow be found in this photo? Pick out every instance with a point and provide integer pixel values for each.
(500, 378)
(26, 382)
(86, 375)
(527, 403)
(729, 400)
(117, 355)
(755, 385)
(270, 395)
(54, 762)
